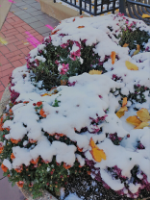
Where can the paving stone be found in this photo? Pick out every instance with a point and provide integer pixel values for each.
(36, 24)
(29, 1)
(13, 6)
(42, 30)
(37, 13)
(46, 34)
(19, 13)
(27, 15)
(34, 4)
(15, 9)
(37, 6)
(26, 6)
(30, 20)
(42, 16)
(20, 4)
(47, 21)
(55, 23)
(31, 9)
(17, 1)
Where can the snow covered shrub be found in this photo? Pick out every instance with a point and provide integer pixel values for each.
(80, 112)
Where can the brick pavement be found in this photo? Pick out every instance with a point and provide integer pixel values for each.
(24, 16)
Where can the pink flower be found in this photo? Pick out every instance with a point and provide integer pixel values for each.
(77, 44)
(64, 45)
(75, 54)
(63, 68)
(57, 62)
(84, 41)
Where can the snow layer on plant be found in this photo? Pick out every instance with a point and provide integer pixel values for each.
(7, 163)
(124, 156)
(80, 159)
(72, 197)
(40, 58)
(34, 52)
(114, 184)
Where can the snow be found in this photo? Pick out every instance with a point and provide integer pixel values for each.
(7, 163)
(80, 160)
(40, 58)
(114, 184)
(72, 197)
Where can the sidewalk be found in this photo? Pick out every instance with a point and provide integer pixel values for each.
(24, 28)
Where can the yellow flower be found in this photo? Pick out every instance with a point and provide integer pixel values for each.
(92, 72)
(123, 109)
(141, 120)
(97, 154)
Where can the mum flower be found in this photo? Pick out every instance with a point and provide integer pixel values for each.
(66, 166)
(39, 103)
(42, 113)
(141, 120)
(1, 123)
(14, 141)
(4, 168)
(32, 141)
(34, 161)
(20, 184)
(19, 169)
(63, 68)
(12, 156)
(122, 110)
(64, 45)
(75, 54)
(1, 147)
(97, 154)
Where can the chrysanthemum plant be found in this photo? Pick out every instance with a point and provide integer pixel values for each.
(81, 106)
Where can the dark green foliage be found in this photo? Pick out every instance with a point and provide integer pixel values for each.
(48, 71)
(133, 38)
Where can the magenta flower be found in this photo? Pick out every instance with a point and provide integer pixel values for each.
(77, 44)
(57, 62)
(75, 54)
(64, 45)
(63, 68)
